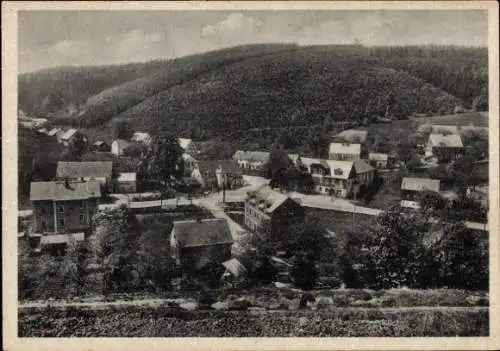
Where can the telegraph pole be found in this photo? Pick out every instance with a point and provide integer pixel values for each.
(355, 183)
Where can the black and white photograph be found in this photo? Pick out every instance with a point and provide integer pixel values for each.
(245, 172)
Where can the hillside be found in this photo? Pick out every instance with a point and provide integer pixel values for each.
(226, 92)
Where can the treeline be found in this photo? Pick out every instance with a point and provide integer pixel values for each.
(462, 72)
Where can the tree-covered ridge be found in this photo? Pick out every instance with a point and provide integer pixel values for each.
(262, 86)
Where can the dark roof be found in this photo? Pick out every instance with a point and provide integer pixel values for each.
(228, 167)
(59, 191)
(205, 232)
(362, 167)
(84, 169)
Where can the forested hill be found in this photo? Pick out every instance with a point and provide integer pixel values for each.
(260, 86)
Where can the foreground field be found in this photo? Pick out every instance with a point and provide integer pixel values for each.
(266, 312)
(172, 322)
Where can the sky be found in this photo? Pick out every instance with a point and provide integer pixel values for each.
(62, 38)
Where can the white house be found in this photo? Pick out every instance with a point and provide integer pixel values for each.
(127, 182)
(118, 146)
(450, 144)
(251, 159)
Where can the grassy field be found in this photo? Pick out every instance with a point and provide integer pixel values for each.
(340, 222)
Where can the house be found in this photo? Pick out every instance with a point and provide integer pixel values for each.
(338, 178)
(101, 146)
(142, 138)
(412, 187)
(118, 146)
(234, 272)
(196, 243)
(218, 174)
(444, 147)
(127, 182)
(379, 160)
(251, 159)
(344, 151)
(64, 206)
(271, 211)
(69, 136)
(189, 162)
(352, 136)
(188, 146)
(100, 171)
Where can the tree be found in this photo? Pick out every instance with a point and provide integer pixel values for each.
(123, 130)
(304, 272)
(432, 203)
(114, 247)
(394, 250)
(166, 162)
(462, 257)
(155, 262)
(281, 170)
(464, 173)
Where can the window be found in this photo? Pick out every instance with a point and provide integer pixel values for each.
(42, 209)
(61, 209)
(82, 205)
(61, 222)
(82, 219)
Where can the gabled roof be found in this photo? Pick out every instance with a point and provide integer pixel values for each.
(84, 169)
(378, 156)
(353, 135)
(340, 169)
(256, 156)
(235, 267)
(344, 148)
(268, 198)
(68, 134)
(420, 184)
(205, 232)
(184, 142)
(362, 167)
(440, 140)
(60, 191)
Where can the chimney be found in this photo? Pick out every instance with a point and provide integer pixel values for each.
(66, 183)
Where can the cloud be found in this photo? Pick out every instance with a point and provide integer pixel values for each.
(233, 25)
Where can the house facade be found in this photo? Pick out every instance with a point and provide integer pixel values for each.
(344, 151)
(218, 174)
(251, 159)
(379, 160)
(127, 182)
(64, 206)
(197, 243)
(338, 178)
(411, 188)
(271, 211)
(445, 148)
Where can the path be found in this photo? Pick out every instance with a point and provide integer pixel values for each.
(160, 302)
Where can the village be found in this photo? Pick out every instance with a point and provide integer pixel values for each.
(222, 204)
